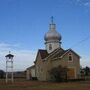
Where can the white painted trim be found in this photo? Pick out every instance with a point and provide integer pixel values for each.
(71, 56)
(71, 51)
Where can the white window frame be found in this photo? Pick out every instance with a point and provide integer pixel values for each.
(70, 54)
(50, 46)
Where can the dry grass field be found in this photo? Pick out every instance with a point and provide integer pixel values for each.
(22, 84)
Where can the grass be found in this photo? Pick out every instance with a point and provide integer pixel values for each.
(21, 84)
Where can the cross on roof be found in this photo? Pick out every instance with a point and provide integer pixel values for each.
(52, 19)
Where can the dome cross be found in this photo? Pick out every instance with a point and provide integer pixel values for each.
(52, 19)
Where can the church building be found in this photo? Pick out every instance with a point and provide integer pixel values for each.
(54, 55)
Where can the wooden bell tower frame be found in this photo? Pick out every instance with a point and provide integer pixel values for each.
(9, 67)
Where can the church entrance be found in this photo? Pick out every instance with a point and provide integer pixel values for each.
(71, 73)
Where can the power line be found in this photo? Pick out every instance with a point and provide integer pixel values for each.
(78, 43)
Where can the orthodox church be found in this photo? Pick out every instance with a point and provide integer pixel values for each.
(53, 56)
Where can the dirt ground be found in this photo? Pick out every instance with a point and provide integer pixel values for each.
(22, 84)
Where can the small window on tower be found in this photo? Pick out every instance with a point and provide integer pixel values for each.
(50, 46)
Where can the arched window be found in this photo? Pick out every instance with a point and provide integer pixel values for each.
(70, 57)
(50, 46)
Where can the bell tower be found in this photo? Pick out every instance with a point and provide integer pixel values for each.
(9, 67)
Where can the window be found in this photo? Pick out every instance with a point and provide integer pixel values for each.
(50, 46)
(70, 57)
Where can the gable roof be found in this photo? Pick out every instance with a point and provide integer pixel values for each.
(58, 51)
(43, 53)
(9, 55)
(33, 66)
(71, 51)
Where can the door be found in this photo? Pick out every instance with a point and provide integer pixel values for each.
(71, 73)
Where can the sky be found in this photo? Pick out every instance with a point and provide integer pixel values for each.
(23, 24)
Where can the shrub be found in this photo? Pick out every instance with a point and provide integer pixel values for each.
(2, 74)
(58, 74)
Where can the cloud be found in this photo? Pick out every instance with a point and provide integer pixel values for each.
(85, 3)
(22, 58)
(8, 47)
